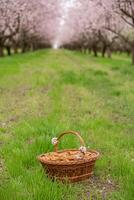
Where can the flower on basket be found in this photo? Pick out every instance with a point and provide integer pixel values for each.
(83, 149)
(54, 141)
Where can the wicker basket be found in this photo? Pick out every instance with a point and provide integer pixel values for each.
(69, 165)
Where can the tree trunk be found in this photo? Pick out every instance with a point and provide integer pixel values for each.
(84, 50)
(109, 53)
(89, 50)
(132, 55)
(15, 49)
(23, 49)
(8, 50)
(1, 52)
(32, 47)
(128, 52)
(104, 48)
(95, 51)
(80, 49)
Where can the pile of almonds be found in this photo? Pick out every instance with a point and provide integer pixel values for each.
(67, 156)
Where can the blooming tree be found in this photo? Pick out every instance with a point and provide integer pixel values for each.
(86, 27)
(9, 21)
(119, 15)
(27, 24)
(99, 25)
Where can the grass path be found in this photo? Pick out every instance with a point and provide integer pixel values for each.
(46, 92)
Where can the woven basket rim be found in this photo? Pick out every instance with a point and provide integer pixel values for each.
(75, 162)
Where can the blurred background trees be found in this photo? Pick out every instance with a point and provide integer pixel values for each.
(27, 25)
(98, 26)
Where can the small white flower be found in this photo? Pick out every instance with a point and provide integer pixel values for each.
(54, 141)
(83, 149)
(109, 181)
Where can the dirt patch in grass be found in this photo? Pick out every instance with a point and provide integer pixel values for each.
(97, 188)
(3, 173)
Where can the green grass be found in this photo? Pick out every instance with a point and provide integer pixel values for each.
(47, 92)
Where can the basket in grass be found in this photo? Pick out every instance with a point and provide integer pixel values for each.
(69, 165)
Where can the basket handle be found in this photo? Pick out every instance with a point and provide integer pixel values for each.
(56, 142)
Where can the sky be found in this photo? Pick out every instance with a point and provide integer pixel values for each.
(66, 5)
